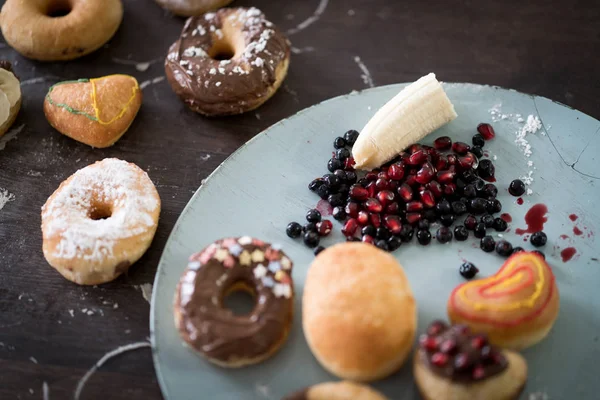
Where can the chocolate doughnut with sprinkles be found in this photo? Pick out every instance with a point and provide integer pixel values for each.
(226, 266)
(227, 62)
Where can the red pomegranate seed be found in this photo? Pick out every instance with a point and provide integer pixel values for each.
(350, 227)
(373, 205)
(460, 148)
(478, 372)
(352, 209)
(429, 343)
(441, 163)
(371, 189)
(436, 327)
(383, 175)
(393, 223)
(418, 157)
(414, 148)
(446, 176)
(358, 192)
(393, 185)
(478, 341)
(448, 346)
(371, 176)
(439, 359)
(392, 208)
(385, 197)
(363, 218)
(432, 152)
(396, 171)
(382, 184)
(411, 180)
(368, 239)
(449, 189)
(324, 227)
(414, 206)
(435, 188)
(405, 192)
(426, 173)
(427, 199)
(452, 159)
(486, 130)
(442, 143)
(349, 164)
(413, 218)
(467, 161)
(462, 361)
(375, 220)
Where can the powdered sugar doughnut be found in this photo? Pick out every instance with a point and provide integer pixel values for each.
(99, 221)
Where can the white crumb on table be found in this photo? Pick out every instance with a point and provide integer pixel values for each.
(115, 306)
(30, 391)
(33, 360)
(5, 197)
(351, 13)
(72, 313)
(495, 157)
(366, 74)
(10, 135)
(146, 289)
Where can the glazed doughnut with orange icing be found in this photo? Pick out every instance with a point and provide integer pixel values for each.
(516, 307)
(97, 111)
(56, 30)
(99, 221)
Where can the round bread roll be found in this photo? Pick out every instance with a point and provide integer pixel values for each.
(344, 390)
(359, 313)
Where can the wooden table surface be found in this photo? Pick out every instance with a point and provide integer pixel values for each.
(53, 331)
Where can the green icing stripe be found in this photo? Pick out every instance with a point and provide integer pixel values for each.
(65, 106)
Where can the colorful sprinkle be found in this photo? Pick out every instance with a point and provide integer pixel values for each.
(260, 271)
(282, 290)
(274, 266)
(272, 254)
(229, 262)
(245, 240)
(268, 281)
(285, 263)
(228, 242)
(236, 249)
(258, 256)
(194, 265)
(221, 254)
(258, 242)
(245, 258)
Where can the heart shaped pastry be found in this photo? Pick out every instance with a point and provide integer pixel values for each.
(96, 112)
(451, 363)
(516, 307)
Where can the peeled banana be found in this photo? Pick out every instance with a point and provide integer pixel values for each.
(10, 99)
(419, 109)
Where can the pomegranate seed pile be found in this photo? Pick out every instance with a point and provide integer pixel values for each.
(449, 183)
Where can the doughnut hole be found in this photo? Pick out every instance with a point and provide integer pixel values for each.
(229, 45)
(239, 298)
(100, 211)
(58, 8)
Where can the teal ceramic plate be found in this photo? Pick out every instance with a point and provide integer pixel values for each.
(263, 186)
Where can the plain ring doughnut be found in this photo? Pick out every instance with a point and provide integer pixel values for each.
(55, 30)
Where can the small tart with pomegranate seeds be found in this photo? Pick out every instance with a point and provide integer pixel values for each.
(452, 363)
(516, 307)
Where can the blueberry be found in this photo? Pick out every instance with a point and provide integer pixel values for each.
(500, 225)
(518, 250)
(423, 224)
(310, 227)
(479, 230)
(332, 181)
(478, 205)
(490, 190)
(323, 191)
(459, 208)
(470, 222)
(468, 270)
(341, 174)
(488, 220)
(293, 230)
(443, 207)
(478, 140)
(383, 233)
(369, 230)
(447, 219)
(342, 154)
(538, 239)
(429, 215)
(351, 137)
(313, 215)
(339, 142)
(383, 245)
(339, 213)
(486, 169)
(406, 233)
(394, 243)
(470, 192)
(493, 206)
(311, 239)
(477, 151)
(334, 164)
(351, 177)
(424, 236)
(315, 184)
(469, 175)
(318, 249)
(444, 234)
(461, 233)
(504, 248)
(336, 200)
(487, 244)
(516, 188)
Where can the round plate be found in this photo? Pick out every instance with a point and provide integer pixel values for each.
(263, 186)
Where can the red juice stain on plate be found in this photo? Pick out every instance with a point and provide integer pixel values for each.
(577, 231)
(324, 208)
(573, 217)
(535, 219)
(520, 201)
(568, 253)
(506, 217)
(564, 237)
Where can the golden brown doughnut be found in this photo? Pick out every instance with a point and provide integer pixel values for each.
(99, 221)
(516, 307)
(226, 266)
(55, 30)
(227, 62)
(96, 112)
(359, 313)
(344, 390)
(188, 8)
(452, 363)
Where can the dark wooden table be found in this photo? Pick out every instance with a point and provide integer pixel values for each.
(45, 335)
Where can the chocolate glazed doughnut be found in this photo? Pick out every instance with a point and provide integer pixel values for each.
(226, 266)
(228, 62)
